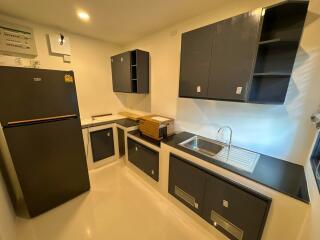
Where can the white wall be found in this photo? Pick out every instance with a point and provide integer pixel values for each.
(90, 61)
(280, 131)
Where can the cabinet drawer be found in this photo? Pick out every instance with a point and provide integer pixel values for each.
(237, 213)
(144, 158)
(186, 183)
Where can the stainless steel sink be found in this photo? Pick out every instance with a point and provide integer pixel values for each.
(203, 145)
(237, 157)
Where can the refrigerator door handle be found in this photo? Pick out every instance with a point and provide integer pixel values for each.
(40, 120)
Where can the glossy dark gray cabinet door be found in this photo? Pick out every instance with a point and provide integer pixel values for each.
(121, 72)
(195, 62)
(233, 54)
(142, 68)
(144, 158)
(186, 183)
(242, 212)
(102, 144)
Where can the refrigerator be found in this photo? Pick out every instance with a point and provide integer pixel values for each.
(42, 156)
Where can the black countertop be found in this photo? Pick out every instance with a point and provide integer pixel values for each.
(124, 122)
(139, 135)
(282, 176)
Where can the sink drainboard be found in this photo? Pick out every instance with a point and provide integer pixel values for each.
(239, 158)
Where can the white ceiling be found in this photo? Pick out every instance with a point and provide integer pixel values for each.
(117, 21)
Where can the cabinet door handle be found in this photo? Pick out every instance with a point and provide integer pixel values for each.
(198, 89)
(121, 59)
(239, 90)
(108, 134)
(220, 221)
(152, 172)
(225, 203)
(186, 197)
(136, 148)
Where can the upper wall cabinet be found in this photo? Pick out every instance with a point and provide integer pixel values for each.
(217, 60)
(246, 58)
(196, 49)
(130, 72)
(233, 53)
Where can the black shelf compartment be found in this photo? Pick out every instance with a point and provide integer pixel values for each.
(134, 85)
(315, 159)
(133, 58)
(284, 21)
(269, 88)
(276, 57)
(133, 72)
(134, 82)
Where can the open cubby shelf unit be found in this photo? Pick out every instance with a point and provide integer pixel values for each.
(134, 80)
(278, 44)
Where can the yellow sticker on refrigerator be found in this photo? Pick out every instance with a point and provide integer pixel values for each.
(68, 78)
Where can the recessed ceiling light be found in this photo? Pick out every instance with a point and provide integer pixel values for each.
(83, 16)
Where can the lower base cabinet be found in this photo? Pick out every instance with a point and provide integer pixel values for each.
(144, 158)
(102, 144)
(236, 211)
(187, 183)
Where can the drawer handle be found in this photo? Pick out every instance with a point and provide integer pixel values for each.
(218, 220)
(186, 197)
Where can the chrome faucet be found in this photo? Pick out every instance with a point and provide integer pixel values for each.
(230, 136)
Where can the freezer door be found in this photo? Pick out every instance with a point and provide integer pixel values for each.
(50, 163)
(27, 93)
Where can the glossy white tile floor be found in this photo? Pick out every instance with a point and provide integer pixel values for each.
(119, 206)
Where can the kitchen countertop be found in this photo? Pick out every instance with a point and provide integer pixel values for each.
(126, 122)
(138, 134)
(282, 176)
(119, 119)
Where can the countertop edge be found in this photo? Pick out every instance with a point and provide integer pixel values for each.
(118, 121)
